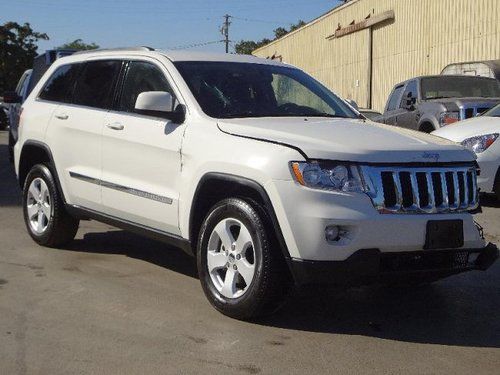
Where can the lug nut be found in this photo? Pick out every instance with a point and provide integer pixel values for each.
(238, 257)
(233, 246)
(235, 267)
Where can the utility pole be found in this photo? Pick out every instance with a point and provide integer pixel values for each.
(225, 31)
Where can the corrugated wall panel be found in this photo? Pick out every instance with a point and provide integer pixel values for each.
(425, 36)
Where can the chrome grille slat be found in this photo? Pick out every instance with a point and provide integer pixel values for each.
(415, 192)
(444, 189)
(465, 203)
(431, 207)
(456, 192)
(399, 192)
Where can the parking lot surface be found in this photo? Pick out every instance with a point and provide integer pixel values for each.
(115, 303)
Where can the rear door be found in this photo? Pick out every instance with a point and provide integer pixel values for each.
(141, 154)
(392, 110)
(76, 129)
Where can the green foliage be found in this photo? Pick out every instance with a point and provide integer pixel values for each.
(79, 44)
(246, 47)
(17, 50)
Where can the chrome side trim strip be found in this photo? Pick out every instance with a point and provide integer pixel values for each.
(124, 189)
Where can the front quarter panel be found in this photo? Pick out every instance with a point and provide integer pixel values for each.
(206, 149)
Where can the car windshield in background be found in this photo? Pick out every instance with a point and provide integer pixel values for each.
(235, 90)
(459, 87)
(493, 112)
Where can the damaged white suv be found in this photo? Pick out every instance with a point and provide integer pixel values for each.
(251, 165)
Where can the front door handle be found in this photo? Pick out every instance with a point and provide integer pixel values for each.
(115, 126)
(62, 116)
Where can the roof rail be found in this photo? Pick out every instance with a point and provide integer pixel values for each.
(140, 48)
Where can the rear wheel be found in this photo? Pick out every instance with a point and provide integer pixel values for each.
(45, 217)
(241, 271)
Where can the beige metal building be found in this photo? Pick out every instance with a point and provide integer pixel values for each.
(364, 47)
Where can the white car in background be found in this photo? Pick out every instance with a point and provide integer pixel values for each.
(480, 134)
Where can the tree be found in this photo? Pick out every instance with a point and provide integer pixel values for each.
(246, 47)
(78, 44)
(17, 50)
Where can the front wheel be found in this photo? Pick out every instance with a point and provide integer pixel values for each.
(241, 269)
(45, 217)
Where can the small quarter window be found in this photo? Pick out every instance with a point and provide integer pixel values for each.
(59, 86)
(95, 84)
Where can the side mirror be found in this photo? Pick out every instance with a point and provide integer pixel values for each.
(154, 101)
(11, 97)
(353, 104)
(159, 104)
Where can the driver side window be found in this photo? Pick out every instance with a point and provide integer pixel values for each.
(410, 93)
(290, 91)
(141, 77)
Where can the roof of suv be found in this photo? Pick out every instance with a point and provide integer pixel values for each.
(182, 55)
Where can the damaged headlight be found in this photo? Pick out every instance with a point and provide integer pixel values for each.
(328, 176)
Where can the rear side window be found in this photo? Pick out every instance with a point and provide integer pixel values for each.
(95, 83)
(59, 86)
(394, 99)
(141, 77)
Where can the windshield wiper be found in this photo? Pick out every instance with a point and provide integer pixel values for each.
(327, 115)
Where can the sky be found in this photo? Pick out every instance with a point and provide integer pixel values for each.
(156, 23)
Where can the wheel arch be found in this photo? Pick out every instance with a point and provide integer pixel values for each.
(208, 193)
(36, 152)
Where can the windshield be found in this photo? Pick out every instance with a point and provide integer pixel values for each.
(459, 87)
(234, 90)
(493, 112)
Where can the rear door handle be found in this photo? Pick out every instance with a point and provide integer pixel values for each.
(62, 116)
(115, 126)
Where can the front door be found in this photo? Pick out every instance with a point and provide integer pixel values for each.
(392, 110)
(141, 155)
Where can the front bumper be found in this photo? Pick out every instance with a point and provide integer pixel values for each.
(368, 266)
(304, 214)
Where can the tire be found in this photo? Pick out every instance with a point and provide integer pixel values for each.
(45, 217)
(260, 280)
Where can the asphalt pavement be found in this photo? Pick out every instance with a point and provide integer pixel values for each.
(115, 303)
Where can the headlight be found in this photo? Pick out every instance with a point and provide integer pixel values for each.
(328, 176)
(480, 143)
(447, 118)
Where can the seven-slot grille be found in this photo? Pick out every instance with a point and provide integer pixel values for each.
(422, 189)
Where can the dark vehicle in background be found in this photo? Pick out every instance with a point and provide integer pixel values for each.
(429, 102)
(14, 99)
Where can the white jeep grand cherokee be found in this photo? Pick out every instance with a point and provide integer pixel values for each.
(251, 165)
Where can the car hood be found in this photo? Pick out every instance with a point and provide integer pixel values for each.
(469, 128)
(349, 139)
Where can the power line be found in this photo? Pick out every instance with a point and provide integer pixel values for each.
(193, 45)
(263, 21)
